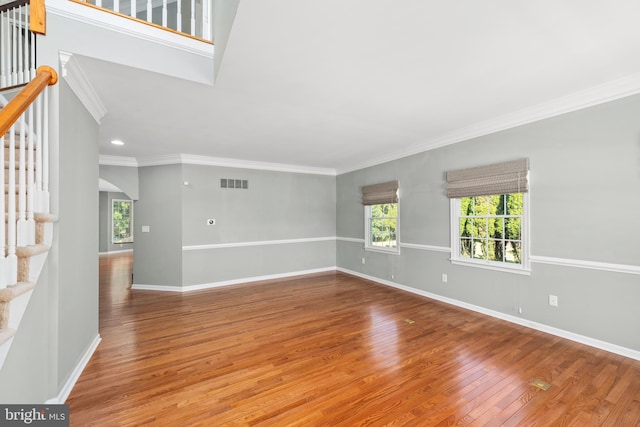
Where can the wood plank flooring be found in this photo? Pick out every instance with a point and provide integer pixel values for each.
(332, 349)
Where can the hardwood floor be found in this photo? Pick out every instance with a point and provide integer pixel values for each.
(332, 349)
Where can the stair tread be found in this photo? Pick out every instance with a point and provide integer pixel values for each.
(31, 250)
(13, 291)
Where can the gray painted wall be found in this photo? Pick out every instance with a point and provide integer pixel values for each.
(277, 206)
(77, 233)
(106, 199)
(158, 259)
(585, 171)
(123, 177)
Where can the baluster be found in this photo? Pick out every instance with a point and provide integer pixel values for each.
(164, 13)
(12, 259)
(31, 223)
(22, 187)
(25, 40)
(39, 198)
(133, 9)
(3, 54)
(14, 73)
(3, 234)
(193, 17)
(45, 151)
(18, 24)
(206, 24)
(99, 3)
(32, 37)
(116, 6)
(179, 16)
(149, 10)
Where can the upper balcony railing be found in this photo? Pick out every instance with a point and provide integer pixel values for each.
(188, 17)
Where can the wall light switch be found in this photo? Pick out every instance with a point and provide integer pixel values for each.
(211, 222)
(146, 229)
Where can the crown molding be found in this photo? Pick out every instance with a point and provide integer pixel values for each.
(600, 94)
(79, 83)
(107, 160)
(87, 15)
(192, 159)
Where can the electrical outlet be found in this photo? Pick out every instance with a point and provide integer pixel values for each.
(364, 261)
(553, 300)
(444, 278)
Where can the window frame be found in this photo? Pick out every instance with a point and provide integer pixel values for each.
(522, 268)
(368, 246)
(131, 228)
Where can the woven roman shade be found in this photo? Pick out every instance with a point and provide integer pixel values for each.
(377, 194)
(499, 178)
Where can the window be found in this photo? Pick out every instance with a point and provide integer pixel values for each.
(122, 221)
(489, 215)
(381, 217)
(490, 229)
(382, 221)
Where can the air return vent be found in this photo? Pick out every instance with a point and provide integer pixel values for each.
(238, 184)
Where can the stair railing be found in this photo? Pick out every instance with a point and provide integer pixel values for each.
(187, 17)
(24, 134)
(19, 23)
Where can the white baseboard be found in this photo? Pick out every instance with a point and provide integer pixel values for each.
(603, 345)
(202, 286)
(115, 252)
(73, 378)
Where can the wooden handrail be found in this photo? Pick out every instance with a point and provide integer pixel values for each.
(45, 76)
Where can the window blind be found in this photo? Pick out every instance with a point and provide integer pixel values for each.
(499, 178)
(377, 194)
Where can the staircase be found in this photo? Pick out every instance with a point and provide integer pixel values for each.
(27, 233)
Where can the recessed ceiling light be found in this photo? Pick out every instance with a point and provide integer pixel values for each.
(117, 142)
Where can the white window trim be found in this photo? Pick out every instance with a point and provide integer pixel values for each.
(113, 201)
(367, 234)
(524, 268)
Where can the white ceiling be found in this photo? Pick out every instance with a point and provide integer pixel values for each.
(342, 84)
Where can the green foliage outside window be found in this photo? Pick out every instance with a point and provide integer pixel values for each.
(122, 220)
(383, 221)
(491, 227)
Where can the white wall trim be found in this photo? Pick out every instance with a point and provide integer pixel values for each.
(75, 374)
(79, 83)
(128, 27)
(203, 286)
(115, 252)
(609, 91)
(425, 247)
(603, 345)
(590, 265)
(257, 243)
(107, 160)
(350, 239)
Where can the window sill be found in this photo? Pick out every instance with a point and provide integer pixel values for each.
(382, 250)
(514, 270)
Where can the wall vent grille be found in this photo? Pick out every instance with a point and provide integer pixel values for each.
(237, 184)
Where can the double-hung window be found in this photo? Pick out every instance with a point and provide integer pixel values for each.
(489, 215)
(381, 217)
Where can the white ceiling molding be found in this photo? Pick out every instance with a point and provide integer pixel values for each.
(87, 15)
(117, 161)
(81, 86)
(610, 91)
(191, 159)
